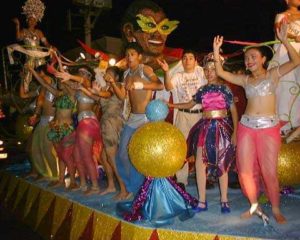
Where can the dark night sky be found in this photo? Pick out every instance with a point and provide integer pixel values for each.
(200, 20)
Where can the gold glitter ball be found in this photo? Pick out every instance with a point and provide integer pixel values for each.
(157, 149)
(289, 164)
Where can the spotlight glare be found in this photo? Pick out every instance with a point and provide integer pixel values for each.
(1, 142)
(82, 55)
(112, 61)
(3, 155)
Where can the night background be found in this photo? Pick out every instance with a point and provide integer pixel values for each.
(200, 20)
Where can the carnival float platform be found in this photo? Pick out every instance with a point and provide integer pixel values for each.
(60, 214)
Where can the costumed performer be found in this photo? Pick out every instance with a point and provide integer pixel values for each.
(213, 138)
(259, 139)
(61, 129)
(88, 145)
(288, 91)
(32, 38)
(140, 81)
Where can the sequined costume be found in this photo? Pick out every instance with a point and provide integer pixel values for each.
(31, 41)
(43, 155)
(288, 90)
(88, 138)
(213, 132)
(63, 135)
(258, 145)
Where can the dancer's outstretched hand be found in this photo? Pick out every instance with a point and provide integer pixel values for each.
(282, 31)
(218, 41)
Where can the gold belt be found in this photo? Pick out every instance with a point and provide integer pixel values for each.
(215, 114)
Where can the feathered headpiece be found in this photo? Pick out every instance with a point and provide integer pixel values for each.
(34, 8)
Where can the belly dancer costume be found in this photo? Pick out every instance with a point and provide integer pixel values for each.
(63, 135)
(213, 131)
(42, 151)
(258, 146)
(88, 138)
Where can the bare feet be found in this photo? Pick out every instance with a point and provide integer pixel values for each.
(73, 187)
(123, 196)
(107, 191)
(55, 184)
(31, 175)
(83, 188)
(39, 178)
(92, 191)
(280, 219)
(246, 215)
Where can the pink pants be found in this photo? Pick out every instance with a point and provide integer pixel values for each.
(87, 134)
(64, 150)
(257, 158)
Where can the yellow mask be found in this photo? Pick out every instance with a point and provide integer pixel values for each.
(149, 25)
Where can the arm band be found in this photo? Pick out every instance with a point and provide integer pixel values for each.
(138, 85)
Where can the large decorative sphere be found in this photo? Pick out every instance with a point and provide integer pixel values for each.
(157, 110)
(157, 149)
(289, 164)
(23, 129)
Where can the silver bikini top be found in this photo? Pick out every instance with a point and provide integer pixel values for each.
(48, 95)
(264, 88)
(138, 72)
(82, 98)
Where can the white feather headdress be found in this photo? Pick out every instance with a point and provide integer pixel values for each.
(34, 8)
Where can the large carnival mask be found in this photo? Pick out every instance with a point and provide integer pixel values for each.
(148, 25)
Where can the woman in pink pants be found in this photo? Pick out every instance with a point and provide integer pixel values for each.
(258, 140)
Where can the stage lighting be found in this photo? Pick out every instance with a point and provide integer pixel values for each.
(112, 61)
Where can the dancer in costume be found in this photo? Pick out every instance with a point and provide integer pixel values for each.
(288, 91)
(185, 84)
(146, 23)
(212, 138)
(61, 130)
(112, 123)
(259, 139)
(43, 155)
(32, 38)
(36, 106)
(88, 133)
(140, 81)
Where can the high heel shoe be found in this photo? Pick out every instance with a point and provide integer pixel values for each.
(201, 209)
(255, 209)
(225, 207)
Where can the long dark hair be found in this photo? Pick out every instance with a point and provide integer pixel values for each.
(118, 73)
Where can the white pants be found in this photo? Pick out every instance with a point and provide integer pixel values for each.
(184, 122)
